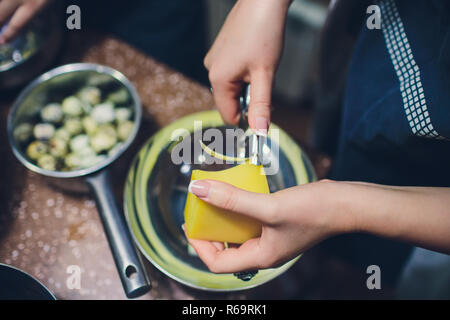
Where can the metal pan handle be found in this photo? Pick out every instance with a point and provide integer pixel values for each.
(132, 274)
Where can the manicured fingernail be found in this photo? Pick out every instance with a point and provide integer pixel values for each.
(262, 125)
(200, 188)
(183, 227)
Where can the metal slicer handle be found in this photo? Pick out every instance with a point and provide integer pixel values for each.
(244, 102)
(254, 139)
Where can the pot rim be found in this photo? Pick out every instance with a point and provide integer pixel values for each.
(65, 69)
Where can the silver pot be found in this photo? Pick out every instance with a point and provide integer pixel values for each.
(54, 83)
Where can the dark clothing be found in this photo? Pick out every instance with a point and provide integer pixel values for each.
(395, 119)
(172, 31)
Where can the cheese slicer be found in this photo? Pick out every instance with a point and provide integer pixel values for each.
(254, 142)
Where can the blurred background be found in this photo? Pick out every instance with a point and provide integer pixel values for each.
(179, 34)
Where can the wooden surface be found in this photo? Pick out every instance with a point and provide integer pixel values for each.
(44, 231)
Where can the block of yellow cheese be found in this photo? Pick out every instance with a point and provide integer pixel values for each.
(206, 222)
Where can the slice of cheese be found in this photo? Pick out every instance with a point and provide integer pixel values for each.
(206, 222)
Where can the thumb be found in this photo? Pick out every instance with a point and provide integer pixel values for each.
(255, 205)
(260, 101)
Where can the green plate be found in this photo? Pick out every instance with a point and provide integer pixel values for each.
(155, 193)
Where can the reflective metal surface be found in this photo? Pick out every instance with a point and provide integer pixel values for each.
(47, 27)
(54, 86)
(168, 188)
(157, 188)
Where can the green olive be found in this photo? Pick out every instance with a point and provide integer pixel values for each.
(90, 125)
(62, 134)
(124, 129)
(58, 147)
(52, 113)
(123, 114)
(86, 152)
(100, 80)
(43, 131)
(90, 95)
(72, 106)
(79, 142)
(73, 160)
(119, 97)
(47, 162)
(73, 126)
(104, 139)
(108, 129)
(23, 132)
(37, 149)
(103, 113)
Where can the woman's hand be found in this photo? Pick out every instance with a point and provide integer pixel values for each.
(20, 12)
(297, 218)
(293, 220)
(247, 50)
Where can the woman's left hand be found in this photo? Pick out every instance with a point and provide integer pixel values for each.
(293, 220)
(297, 218)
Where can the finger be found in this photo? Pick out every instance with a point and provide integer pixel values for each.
(7, 8)
(256, 205)
(226, 97)
(20, 18)
(218, 245)
(207, 61)
(203, 245)
(245, 257)
(260, 101)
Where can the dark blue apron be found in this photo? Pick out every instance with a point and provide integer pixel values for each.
(395, 125)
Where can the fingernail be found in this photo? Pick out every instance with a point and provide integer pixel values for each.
(200, 188)
(262, 125)
(183, 227)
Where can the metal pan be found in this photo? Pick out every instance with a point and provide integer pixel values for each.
(16, 284)
(53, 84)
(48, 29)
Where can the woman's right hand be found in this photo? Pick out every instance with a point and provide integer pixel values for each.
(247, 50)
